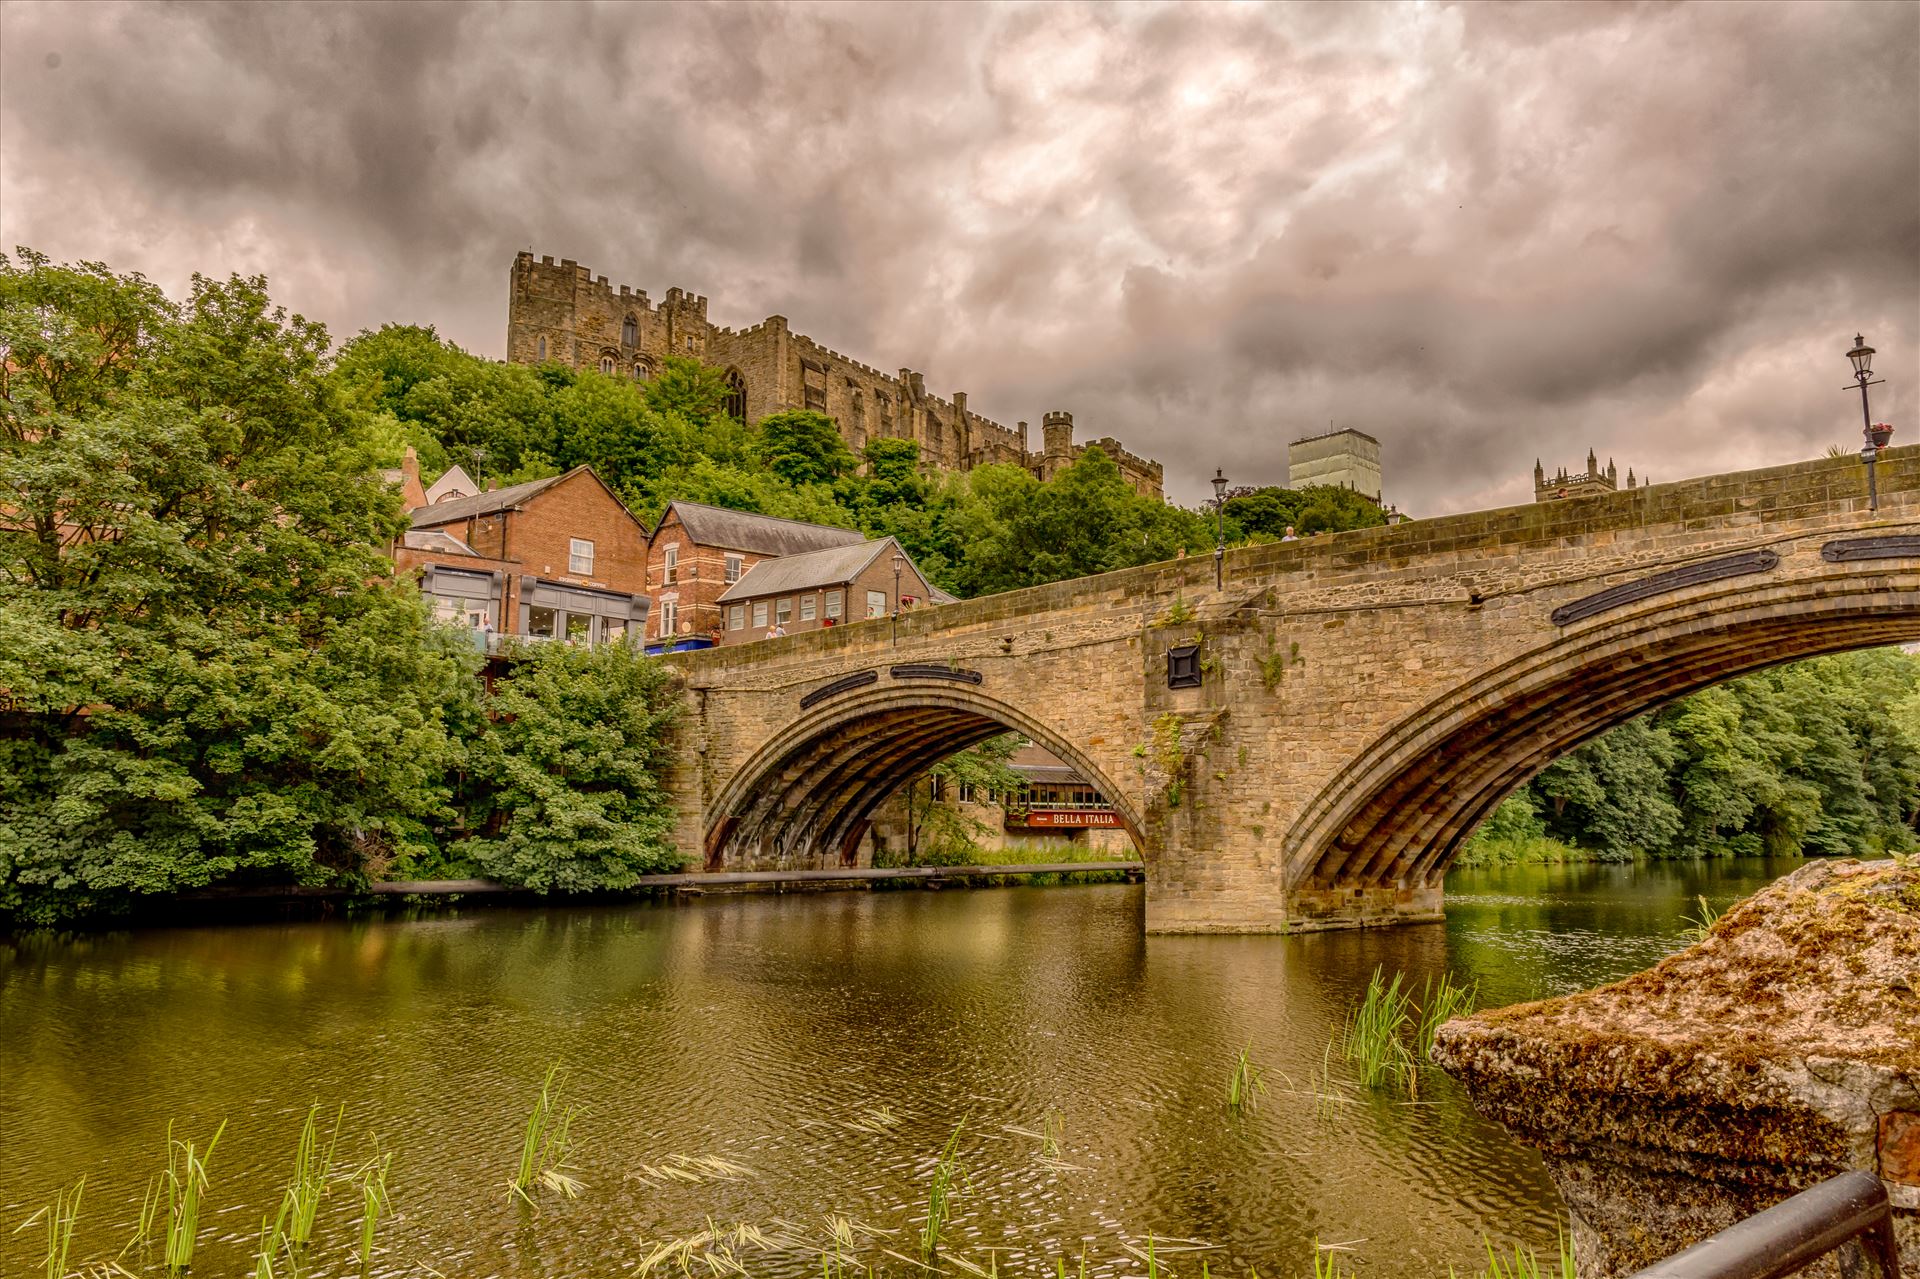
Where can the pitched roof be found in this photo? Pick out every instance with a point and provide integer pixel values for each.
(433, 539)
(455, 483)
(460, 508)
(760, 534)
(835, 566)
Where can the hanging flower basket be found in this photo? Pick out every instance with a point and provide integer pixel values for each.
(1880, 433)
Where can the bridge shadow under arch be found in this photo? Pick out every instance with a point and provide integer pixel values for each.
(808, 793)
(1399, 819)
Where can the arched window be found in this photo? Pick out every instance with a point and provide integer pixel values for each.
(640, 371)
(630, 332)
(737, 395)
(543, 348)
(606, 364)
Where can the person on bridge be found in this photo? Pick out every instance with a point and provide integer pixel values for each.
(1290, 536)
(776, 631)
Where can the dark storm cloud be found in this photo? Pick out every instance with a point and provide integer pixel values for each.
(1483, 233)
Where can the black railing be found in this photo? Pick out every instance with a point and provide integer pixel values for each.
(1793, 1234)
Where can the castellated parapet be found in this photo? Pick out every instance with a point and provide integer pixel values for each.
(561, 312)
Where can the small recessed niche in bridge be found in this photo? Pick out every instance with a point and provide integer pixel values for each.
(1183, 666)
(929, 670)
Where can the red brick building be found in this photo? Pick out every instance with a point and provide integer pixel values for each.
(699, 551)
(823, 588)
(559, 558)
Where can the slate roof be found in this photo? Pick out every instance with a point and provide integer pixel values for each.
(461, 508)
(438, 540)
(759, 534)
(835, 566)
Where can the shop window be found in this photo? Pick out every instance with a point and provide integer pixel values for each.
(580, 628)
(613, 630)
(580, 556)
(806, 607)
(541, 622)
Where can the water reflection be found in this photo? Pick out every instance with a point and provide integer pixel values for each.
(770, 1031)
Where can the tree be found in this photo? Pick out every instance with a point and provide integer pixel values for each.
(569, 779)
(804, 447)
(207, 674)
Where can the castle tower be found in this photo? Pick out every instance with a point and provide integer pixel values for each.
(1056, 435)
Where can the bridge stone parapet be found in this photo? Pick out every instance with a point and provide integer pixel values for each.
(1364, 700)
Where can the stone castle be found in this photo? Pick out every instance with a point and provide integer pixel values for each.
(563, 312)
(1560, 485)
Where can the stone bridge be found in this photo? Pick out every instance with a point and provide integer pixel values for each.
(1353, 705)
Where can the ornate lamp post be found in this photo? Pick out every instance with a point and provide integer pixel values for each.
(899, 562)
(1219, 528)
(1876, 433)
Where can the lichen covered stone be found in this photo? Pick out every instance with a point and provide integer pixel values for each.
(1780, 1049)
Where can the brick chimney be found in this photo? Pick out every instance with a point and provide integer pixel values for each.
(410, 491)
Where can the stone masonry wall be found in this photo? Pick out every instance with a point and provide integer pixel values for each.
(1333, 670)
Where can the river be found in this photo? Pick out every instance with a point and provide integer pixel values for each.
(827, 1044)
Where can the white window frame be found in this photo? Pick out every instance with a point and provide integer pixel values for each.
(783, 611)
(736, 565)
(807, 605)
(580, 560)
(670, 566)
(736, 617)
(759, 615)
(876, 604)
(833, 604)
(669, 617)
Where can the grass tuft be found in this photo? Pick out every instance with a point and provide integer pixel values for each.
(311, 1169)
(1440, 1004)
(1245, 1082)
(546, 1142)
(177, 1191)
(1701, 924)
(940, 1192)
(60, 1216)
(372, 1177)
(1375, 1036)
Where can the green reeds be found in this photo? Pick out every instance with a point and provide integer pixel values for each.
(1699, 925)
(546, 1142)
(273, 1238)
(177, 1191)
(372, 1177)
(59, 1216)
(308, 1185)
(946, 1172)
(1524, 1264)
(1375, 1036)
(1440, 1004)
(1326, 1263)
(1053, 1127)
(1245, 1082)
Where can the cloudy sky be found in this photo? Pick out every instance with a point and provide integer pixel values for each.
(1482, 233)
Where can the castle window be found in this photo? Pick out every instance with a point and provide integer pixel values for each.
(640, 371)
(630, 332)
(543, 348)
(736, 396)
(606, 364)
(689, 341)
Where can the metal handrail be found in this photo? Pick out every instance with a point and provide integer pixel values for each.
(1793, 1234)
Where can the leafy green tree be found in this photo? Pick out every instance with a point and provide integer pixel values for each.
(804, 447)
(1611, 794)
(569, 779)
(208, 677)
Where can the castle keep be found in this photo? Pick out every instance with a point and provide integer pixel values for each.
(563, 312)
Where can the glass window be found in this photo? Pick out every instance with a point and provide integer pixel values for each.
(876, 603)
(670, 567)
(807, 603)
(966, 792)
(759, 614)
(606, 364)
(833, 604)
(737, 617)
(579, 628)
(783, 612)
(734, 565)
(579, 555)
(540, 621)
(613, 630)
(669, 616)
(629, 332)
(543, 348)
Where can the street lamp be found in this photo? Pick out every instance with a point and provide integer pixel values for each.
(1219, 528)
(1876, 433)
(899, 562)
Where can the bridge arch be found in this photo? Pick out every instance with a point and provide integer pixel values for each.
(1398, 819)
(809, 791)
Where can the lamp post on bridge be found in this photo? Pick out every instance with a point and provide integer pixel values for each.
(899, 562)
(1219, 528)
(1876, 433)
